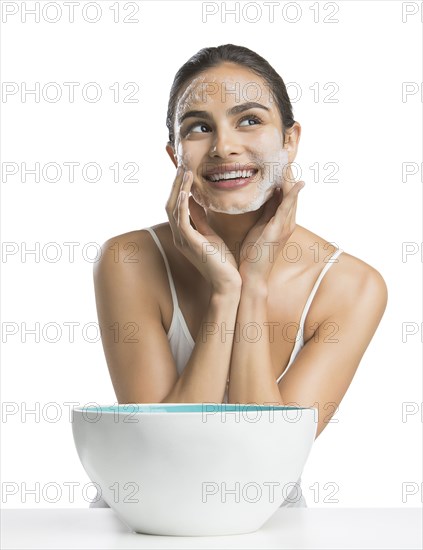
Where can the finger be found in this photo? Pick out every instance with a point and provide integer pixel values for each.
(187, 182)
(171, 205)
(187, 205)
(287, 202)
(185, 208)
(173, 197)
(270, 207)
(288, 180)
(186, 185)
(290, 219)
(284, 209)
(182, 206)
(177, 218)
(197, 212)
(290, 199)
(292, 212)
(199, 217)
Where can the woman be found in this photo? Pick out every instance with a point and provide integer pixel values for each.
(231, 301)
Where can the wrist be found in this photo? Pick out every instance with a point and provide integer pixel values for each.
(228, 287)
(255, 287)
(253, 279)
(227, 293)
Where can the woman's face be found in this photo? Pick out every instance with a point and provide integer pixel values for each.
(228, 132)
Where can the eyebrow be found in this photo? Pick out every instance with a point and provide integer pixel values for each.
(230, 112)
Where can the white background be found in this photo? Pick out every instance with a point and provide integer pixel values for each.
(369, 451)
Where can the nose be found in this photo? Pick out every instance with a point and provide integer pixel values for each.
(224, 144)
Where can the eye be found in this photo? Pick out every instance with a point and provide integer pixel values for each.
(195, 125)
(251, 117)
(205, 126)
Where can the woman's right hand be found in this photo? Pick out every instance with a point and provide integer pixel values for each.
(203, 248)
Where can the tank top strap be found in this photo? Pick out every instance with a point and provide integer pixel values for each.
(329, 263)
(169, 273)
(299, 340)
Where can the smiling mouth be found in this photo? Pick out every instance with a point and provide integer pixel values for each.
(230, 179)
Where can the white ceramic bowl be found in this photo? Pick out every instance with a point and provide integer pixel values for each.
(194, 469)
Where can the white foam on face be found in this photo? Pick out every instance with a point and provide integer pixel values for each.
(246, 199)
(199, 91)
(271, 165)
(184, 159)
(253, 196)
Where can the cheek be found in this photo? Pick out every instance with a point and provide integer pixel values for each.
(190, 159)
(184, 158)
(179, 154)
(268, 139)
(277, 138)
(200, 198)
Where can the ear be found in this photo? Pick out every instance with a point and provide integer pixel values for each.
(292, 139)
(171, 152)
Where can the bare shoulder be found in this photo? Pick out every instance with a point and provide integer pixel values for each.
(349, 280)
(130, 252)
(359, 282)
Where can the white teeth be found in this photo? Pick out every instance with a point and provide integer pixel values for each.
(231, 175)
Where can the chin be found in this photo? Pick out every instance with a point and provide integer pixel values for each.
(210, 203)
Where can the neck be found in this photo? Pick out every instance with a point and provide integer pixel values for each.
(232, 229)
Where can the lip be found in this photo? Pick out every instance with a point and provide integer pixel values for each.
(233, 167)
(231, 184)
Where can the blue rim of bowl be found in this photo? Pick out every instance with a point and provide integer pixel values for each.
(205, 408)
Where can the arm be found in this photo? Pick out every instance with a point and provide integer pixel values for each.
(324, 368)
(204, 377)
(136, 347)
(252, 378)
(251, 373)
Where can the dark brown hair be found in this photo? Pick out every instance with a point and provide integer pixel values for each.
(213, 56)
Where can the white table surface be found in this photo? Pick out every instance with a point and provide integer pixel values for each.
(311, 528)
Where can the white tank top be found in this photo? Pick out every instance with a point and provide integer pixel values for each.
(180, 339)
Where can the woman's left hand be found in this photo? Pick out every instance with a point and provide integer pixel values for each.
(266, 239)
